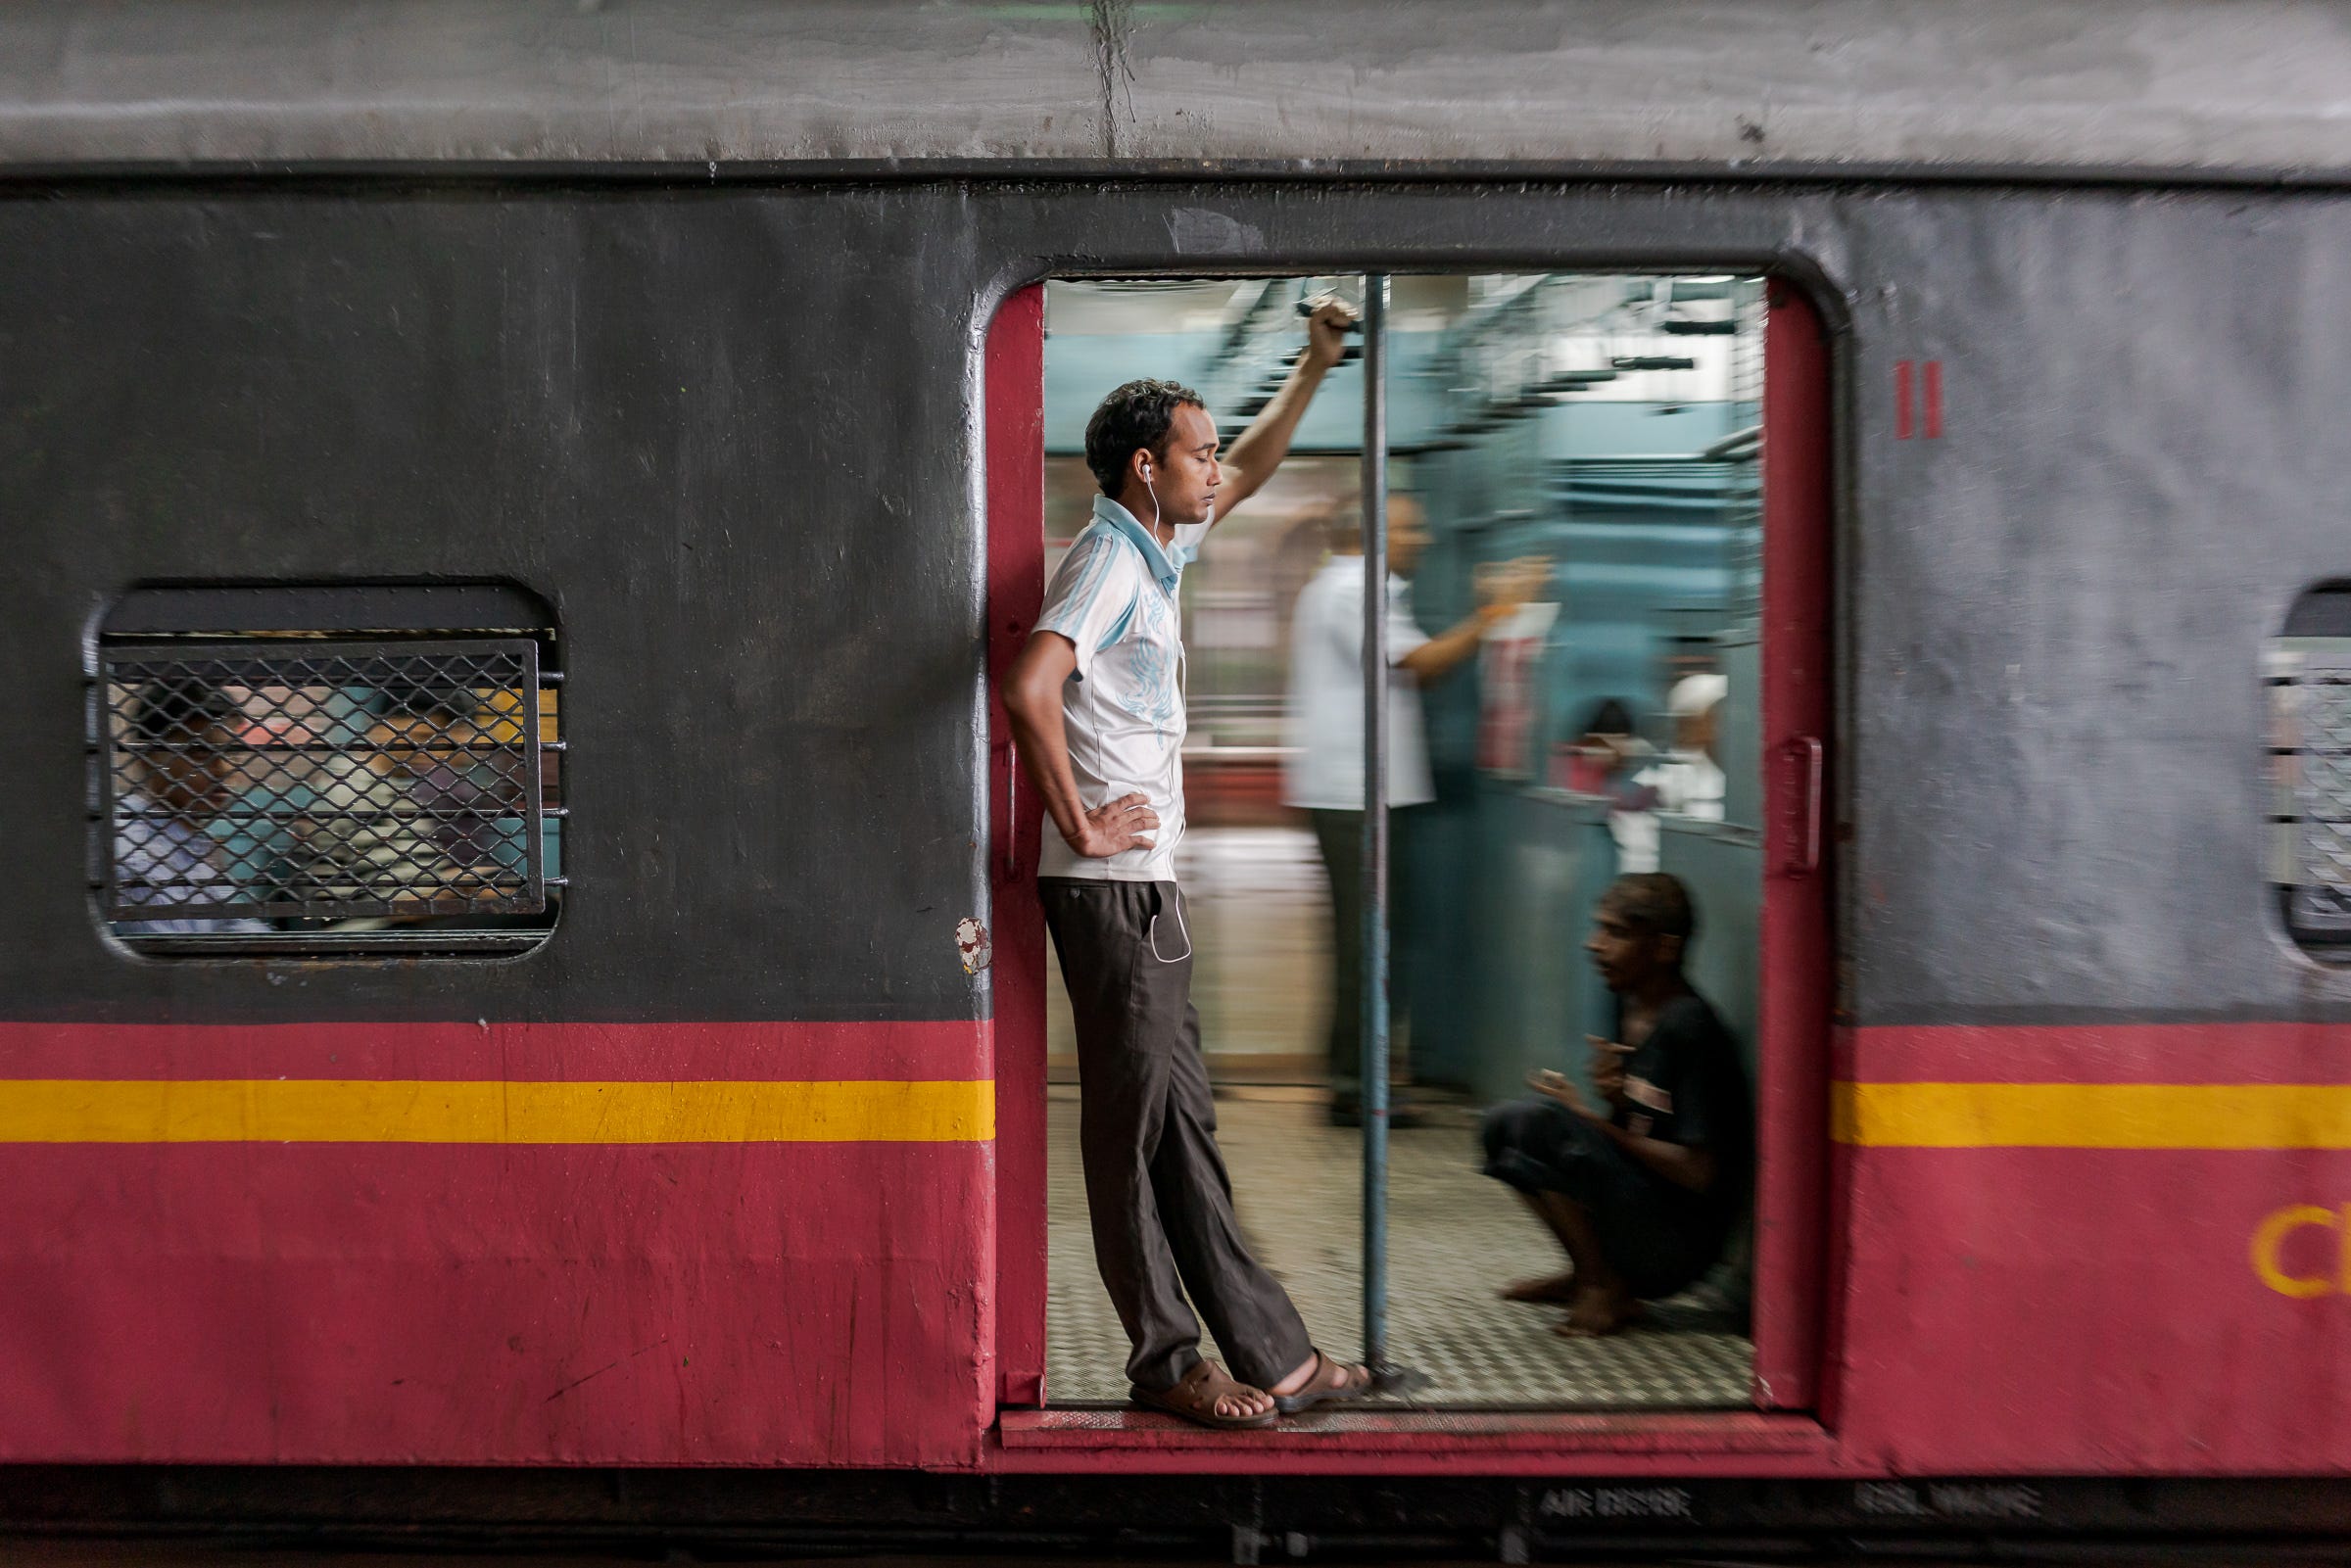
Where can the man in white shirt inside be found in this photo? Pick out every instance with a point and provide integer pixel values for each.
(1096, 704)
(1325, 773)
(1689, 780)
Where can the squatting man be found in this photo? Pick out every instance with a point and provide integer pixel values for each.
(1096, 704)
(1643, 1190)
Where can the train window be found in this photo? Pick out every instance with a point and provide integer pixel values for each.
(328, 772)
(2309, 676)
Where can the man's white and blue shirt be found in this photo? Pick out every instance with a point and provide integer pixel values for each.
(1113, 598)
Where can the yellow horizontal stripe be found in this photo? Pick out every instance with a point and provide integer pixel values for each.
(2093, 1116)
(371, 1111)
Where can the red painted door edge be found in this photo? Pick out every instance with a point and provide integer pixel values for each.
(1796, 961)
(1015, 453)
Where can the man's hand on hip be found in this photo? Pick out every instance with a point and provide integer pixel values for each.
(1114, 828)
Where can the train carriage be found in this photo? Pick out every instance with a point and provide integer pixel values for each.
(642, 403)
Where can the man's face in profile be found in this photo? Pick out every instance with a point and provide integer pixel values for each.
(1408, 535)
(1185, 480)
(192, 781)
(1624, 954)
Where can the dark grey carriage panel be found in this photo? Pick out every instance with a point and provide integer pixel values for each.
(726, 440)
(730, 435)
(2057, 610)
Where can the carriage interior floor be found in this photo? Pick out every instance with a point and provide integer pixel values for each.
(1454, 1237)
(1260, 924)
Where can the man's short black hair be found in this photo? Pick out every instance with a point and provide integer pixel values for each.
(169, 713)
(1137, 415)
(1607, 717)
(1655, 904)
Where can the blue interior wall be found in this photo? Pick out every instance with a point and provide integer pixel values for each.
(1647, 545)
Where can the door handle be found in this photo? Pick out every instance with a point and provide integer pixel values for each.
(1010, 761)
(1804, 766)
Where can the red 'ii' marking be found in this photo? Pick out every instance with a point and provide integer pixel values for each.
(1934, 389)
(1903, 429)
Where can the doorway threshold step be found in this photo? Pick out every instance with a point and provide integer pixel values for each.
(1421, 1431)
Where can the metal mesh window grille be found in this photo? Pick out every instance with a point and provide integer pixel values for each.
(265, 778)
(2322, 797)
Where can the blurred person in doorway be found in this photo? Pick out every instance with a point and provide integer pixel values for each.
(1324, 776)
(1097, 710)
(1643, 1190)
(1688, 780)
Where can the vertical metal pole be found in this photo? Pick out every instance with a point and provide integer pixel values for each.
(1375, 1069)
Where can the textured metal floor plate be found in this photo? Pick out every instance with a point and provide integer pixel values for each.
(1454, 1236)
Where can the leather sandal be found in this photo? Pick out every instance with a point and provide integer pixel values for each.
(1324, 1388)
(1195, 1395)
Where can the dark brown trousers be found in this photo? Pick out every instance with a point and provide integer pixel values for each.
(1155, 1184)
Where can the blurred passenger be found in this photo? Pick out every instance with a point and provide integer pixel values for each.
(1643, 1191)
(473, 799)
(1604, 761)
(1510, 667)
(1325, 774)
(1096, 704)
(281, 730)
(169, 789)
(1689, 781)
(360, 836)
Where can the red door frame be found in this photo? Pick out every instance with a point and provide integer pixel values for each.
(1015, 453)
(1797, 959)
(1797, 964)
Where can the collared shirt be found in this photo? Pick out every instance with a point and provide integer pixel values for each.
(162, 858)
(1113, 598)
(1325, 720)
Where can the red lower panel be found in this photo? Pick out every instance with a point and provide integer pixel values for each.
(741, 1304)
(2076, 1310)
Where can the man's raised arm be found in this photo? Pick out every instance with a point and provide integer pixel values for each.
(1259, 450)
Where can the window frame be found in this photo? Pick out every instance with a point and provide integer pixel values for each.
(259, 622)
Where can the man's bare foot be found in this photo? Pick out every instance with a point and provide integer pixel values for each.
(1597, 1311)
(1245, 1401)
(1550, 1290)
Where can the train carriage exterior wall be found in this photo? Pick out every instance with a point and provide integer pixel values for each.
(733, 434)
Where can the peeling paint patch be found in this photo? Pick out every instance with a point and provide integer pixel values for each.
(971, 942)
(1204, 231)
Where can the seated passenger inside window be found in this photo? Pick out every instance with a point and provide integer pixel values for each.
(167, 811)
(1643, 1191)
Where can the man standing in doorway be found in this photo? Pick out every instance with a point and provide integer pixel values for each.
(1325, 774)
(1097, 710)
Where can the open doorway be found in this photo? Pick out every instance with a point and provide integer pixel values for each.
(1604, 432)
